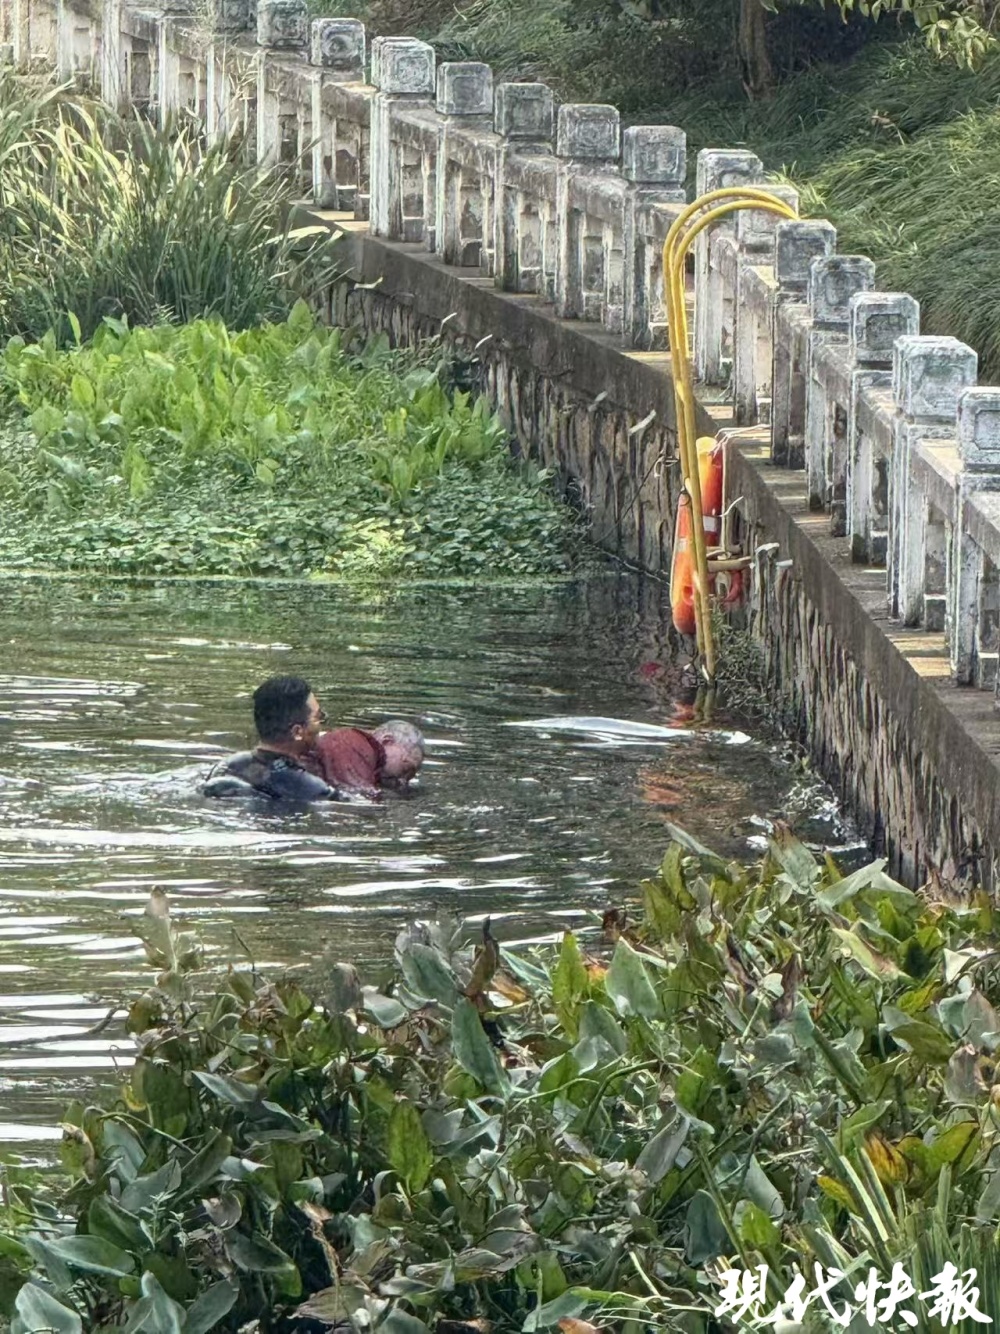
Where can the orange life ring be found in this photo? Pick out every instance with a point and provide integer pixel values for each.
(728, 585)
(682, 571)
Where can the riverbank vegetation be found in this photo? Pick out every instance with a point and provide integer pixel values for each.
(172, 407)
(755, 1066)
(281, 450)
(885, 135)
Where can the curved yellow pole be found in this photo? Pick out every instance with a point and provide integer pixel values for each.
(675, 249)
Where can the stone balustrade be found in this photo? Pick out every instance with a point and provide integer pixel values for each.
(899, 446)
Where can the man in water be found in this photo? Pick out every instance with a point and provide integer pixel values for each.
(288, 719)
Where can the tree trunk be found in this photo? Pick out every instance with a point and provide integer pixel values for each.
(755, 62)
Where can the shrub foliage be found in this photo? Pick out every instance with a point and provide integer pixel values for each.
(776, 1066)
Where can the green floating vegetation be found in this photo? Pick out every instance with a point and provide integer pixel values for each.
(775, 1068)
(277, 451)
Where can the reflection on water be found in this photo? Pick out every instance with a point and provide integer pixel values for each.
(554, 756)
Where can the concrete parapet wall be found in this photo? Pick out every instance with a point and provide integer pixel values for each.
(866, 451)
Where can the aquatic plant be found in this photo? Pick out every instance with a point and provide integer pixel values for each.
(285, 449)
(774, 1065)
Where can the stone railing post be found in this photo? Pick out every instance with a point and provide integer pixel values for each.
(464, 206)
(337, 49)
(833, 281)
(752, 316)
(796, 245)
(654, 162)
(876, 321)
(717, 167)
(929, 375)
(282, 25)
(403, 72)
(524, 117)
(974, 628)
(587, 141)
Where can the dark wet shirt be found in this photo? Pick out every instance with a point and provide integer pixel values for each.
(266, 773)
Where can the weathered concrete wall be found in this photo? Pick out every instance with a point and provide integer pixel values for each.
(867, 458)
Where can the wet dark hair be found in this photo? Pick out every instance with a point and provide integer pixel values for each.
(278, 704)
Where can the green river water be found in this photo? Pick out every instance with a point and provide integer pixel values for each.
(556, 755)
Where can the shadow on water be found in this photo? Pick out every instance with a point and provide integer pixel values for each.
(555, 756)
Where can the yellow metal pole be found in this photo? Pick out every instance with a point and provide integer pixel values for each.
(675, 248)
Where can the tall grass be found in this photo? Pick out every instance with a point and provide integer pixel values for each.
(107, 217)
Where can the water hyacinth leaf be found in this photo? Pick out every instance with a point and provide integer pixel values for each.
(427, 974)
(255, 1253)
(849, 885)
(629, 986)
(710, 861)
(92, 1255)
(853, 1128)
(140, 1193)
(226, 1210)
(890, 1166)
(705, 1235)
(207, 1162)
(410, 1152)
(37, 1309)
(598, 1022)
(660, 1153)
(755, 1227)
(928, 1042)
(400, 1322)
(874, 964)
(214, 1304)
(963, 1083)
(122, 1149)
(334, 1305)
(227, 1089)
(108, 1220)
(794, 858)
(473, 1050)
(568, 1305)
(570, 983)
(155, 1312)
(385, 1010)
(957, 1145)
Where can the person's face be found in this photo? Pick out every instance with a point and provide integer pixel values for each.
(304, 735)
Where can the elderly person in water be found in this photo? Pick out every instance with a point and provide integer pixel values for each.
(295, 761)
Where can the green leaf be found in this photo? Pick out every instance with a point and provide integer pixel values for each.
(410, 1151)
(570, 982)
(205, 1164)
(628, 984)
(256, 1253)
(567, 1306)
(140, 1193)
(755, 1227)
(660, 1153)
(427, 974)
(234, 1091)
(873, 963)
(209, 1309)
(794, 858)
(598, 1022)
(385, 1010)
(705, 1235)
(107, 1219)
(93, 1255)
(38, 1310)
(400, 1322)
(472, 1048)
(849, 885)
(155, 1312)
